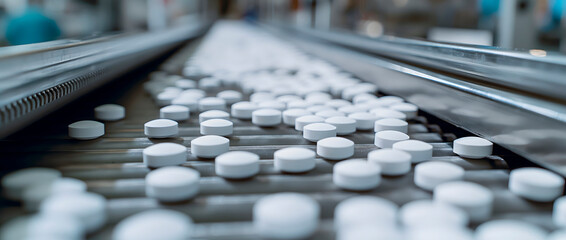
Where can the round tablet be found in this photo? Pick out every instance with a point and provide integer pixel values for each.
(185, 83)
(364, 120)
(410, 110)
(161, 128)
(15, 183)
(261, 97)
(420, 151)
(440, 233)
(369, 232)
(386, 139)
(337, 103)
(329, 113)
(472, 147)
(190, 102)
(381, 113)
(344, 125)
(193, 93)
(294, 159)
(351, 109)
(211, 103)
(209, 146)
(559, 212)
(172, 184)
(423, 213)
(290, 115)
(243, 110)
(316, 131)
(298, 104)
(509, 229)
(428, 175)
(363, 97)
(53, 226)
(393, 124)
(536, 184)
(109, 112)
(272, 105)
(154, 224)
(230, 96)
(361, 210)
(476, 200)
(557, 235)
(286, 216)
(392, 162)
(209, 83)
(88, 208)
(237, 164)
(166, 97)
(33, 195)
(356, 174)
(266, 117)
(302, 121)
(317, 108)
(317, 98)
(288, 98)
(220, 127)
(335, 148)
(86, 130)
(164, 154)
(213, 114)
(174, 112)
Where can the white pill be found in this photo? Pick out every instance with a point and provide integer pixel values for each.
(391, 99)
(166, 97)
(428, 175)
(220, 127)
(211, 103)
(536, 184)
(386, 139)
(439, 233)
(335, 148)
(213, 114)
(420, 151)
(391, 124)
(290, 115)
(172, 184)
(369, 232)
(410, 110)
(86, 130)
(317, 131)
(266, 117)
(174, 112)
(154, 224)
(230, 96)
(209, 146)
(423, 213)
(329, 113)
(302, 121)
(237, 164)
(294, 159)
(209, 83)
(190, 102)
(272, 105)
(363, 97)
(344, 125)
(557, 235)
(261, 97)
(472, 147)
(243, 110)
(509, 229)
(185, 83)
(54, 226)
(194, 93)
(356, 174)
(382, 113)
(392, 162)
(161, 128)
(364, 120)
(286, 216)
(36, 193)
(288, 98)
(15, 183)
(559, 212)
(298, 104)
(317, 108)
(164, 154)
(337, 103)
(351, 109)
(317, 98)
(476, 200)
(109, 112)
(362, 210)
(88, 208)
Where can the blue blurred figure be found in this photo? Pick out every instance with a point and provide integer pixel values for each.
(32, 26)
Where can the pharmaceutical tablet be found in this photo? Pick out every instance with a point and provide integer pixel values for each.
(154, 224)
(209, 83)
(440, 233)
(243, 110)
(329, 113)
(335, 148)
(428, 175)
(386, 139)
(185, 83)
(109, 112)
(286, 216)
(272, 105)
(166, 97)
(476, 200)
(213, 114)
(317, 108)
(230, 96)
(261, 97)
(174, 112)
(16, 182)
(88, 208)
(351, 109)
(426, 213)
(509, 229)
(536, 184)
(298, 104)
(190, 102)
(356, 174)
(294, 159)
(392, 162)
(288, 98)
(211, 103)
(302, 121)
(193, 93)
(316, 131)
(209, 146)
(362, 210)
(290, 115)
(161, 128)
(86, 130)
(410, 110)
(220, 127)
(472, 147)
(172, 184)
(266, 117)
(391, 99)
(164, 154)
(344, 125)
(559, 212)
(337, 103)
(33, 195)
(237, 164)
(363, 97)
(318, 98)
(391, 124)
(364, 120)
(420, 151)
(53, 226)
(382, 113)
